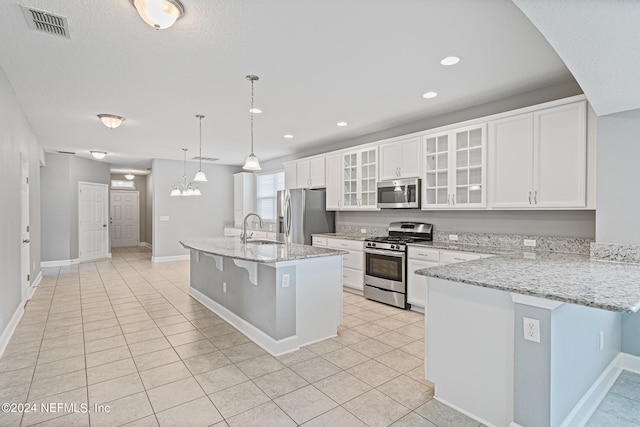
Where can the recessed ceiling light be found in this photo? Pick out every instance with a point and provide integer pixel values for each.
(255, 110)
(341, 123)
(430, 95)
(288, 136)
(450, 60)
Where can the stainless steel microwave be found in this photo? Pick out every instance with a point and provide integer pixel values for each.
(399, 193)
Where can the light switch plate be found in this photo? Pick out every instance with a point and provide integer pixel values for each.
(453, 237)
(164, 217)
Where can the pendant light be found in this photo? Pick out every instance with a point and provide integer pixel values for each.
(200, 176)
(252, 163)
(185, 188)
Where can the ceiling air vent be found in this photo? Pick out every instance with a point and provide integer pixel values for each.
(205, 159)
(66, 152)
(46, 22)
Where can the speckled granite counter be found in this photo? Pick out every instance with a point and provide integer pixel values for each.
(568, 278)
(492, 250)
(232, 247)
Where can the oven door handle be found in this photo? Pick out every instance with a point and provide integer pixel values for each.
(385, 253)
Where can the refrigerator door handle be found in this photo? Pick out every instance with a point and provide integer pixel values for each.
(288, 216)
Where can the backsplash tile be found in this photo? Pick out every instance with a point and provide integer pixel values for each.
(615, 252)
(516, 241)
(355, 230)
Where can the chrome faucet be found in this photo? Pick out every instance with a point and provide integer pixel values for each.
(243, 236)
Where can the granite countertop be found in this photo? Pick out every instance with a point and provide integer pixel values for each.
(232, 247)
(571, 278)
(343, 236)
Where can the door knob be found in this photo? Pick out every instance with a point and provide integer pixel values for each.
(26, 241)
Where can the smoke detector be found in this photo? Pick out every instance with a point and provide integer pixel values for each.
(47, 22)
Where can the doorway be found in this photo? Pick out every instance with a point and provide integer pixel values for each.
(92, 219)
(25, 253)
(125, 218)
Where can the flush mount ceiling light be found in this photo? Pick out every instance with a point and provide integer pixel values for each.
(252, 163)
(110, 120)
(129, 176)
(160, 14)
(200, 176)
(450, 60)
(185, 188)
(341, 124)
(288, 136)
(430, 94)
(98, 154)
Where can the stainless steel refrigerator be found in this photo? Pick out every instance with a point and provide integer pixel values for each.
(302, 211)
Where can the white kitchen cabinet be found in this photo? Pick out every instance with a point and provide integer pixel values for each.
(310, 173)
(452, 257)
(318, 241)
(400, 159)
(359, 179)
(455, 169)
(333, 181)
(244, 184)
(417, 259)
(290, 176)
(352, 263)
(539, 159)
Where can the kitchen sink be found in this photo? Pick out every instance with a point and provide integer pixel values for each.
(264, 242)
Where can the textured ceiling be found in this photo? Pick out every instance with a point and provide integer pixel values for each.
(599, 40)
(366, 62)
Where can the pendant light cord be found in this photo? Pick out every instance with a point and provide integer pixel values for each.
(200, 116)
(252, 80)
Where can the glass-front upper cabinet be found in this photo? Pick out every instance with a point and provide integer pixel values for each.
(455, 169)
(360, 169)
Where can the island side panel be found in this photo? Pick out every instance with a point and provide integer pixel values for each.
(263, 305)
(469, 343)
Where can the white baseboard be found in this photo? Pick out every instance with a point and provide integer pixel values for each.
(109, 255)
(467, 413)
(145, 244)
(629, 362)
(270, 345)
(34, 285)
(170, 258)
(59, 263)
(6, 335)
(586, 406)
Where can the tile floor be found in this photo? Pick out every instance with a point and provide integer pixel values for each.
(621, 405)
(123, 334)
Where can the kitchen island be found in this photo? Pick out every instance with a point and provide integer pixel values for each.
(281, 296)
(530, 338)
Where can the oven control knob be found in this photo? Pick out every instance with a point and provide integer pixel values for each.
(372, 244)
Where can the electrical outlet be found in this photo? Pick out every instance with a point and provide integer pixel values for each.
(601, 340)
(453, 237)
(530, 243)
(531, 329)
(224, 286)
(285, 280)
(363, 230)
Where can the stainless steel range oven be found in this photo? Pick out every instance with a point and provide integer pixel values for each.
(385, 276)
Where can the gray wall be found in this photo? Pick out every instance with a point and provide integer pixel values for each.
(618, 175)
(16, 137)
(568, 355)
(140, 182)
(196, 216)
(59, 201)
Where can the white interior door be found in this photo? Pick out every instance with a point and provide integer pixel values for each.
(92, 215)
(125, 218)
(24, 227)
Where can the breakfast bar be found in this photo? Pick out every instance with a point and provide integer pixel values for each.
(280, 295)
(530, 338)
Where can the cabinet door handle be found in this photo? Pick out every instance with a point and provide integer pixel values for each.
(535, 197)
(529, 197)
